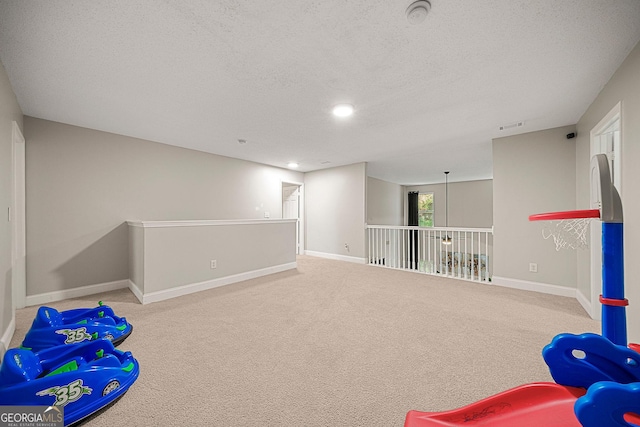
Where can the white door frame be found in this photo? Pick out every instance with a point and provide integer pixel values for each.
(596, 226)
(300, 225)
(17, 216)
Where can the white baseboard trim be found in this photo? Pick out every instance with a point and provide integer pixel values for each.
(336, 257)
(136, 291)
(81, 291)
(150, 297)
(586, 304)
(534, 286)
(7, 336)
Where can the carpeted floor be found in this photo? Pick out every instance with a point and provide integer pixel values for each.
(328, 344)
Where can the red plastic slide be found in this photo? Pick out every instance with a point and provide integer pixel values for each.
(529, 405)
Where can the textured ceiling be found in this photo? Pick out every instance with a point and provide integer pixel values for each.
(428, 98)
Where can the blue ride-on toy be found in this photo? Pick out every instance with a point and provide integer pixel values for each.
(52, 328)
(82, 379)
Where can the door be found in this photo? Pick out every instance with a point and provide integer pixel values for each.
(606, 138)
(292, 209)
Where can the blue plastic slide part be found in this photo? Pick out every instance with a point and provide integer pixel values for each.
(582, 360)
(608, 404)
(614, 324)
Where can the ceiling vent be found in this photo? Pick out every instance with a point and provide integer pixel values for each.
(512, 126)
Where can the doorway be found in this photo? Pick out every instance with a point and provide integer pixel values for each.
(17, 215)
(606, 138)
(292, 208)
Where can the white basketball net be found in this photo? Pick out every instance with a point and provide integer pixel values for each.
(568, 233)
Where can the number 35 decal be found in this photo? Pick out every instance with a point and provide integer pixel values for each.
(67, 393)
(74, 335)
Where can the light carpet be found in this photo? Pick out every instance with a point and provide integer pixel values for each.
(329, 344)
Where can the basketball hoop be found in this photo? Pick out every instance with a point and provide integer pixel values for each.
(569, 229)
(572, 232)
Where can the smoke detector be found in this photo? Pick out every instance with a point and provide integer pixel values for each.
(417, 11)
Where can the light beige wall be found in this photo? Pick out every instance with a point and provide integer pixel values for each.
(470, 203)
(532, 173)
(623, 86)
(9, 112)
(335, 210)
(83, 184)
(136, 257)
(176, 256)
(385, 202)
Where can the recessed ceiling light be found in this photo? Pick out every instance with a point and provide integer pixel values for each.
(343, 110)
(293, 165)
(418, 11)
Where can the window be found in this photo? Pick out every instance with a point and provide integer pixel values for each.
(425, 209)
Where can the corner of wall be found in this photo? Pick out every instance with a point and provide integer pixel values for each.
(7, 336)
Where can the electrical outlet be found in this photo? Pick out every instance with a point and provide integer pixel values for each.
(266, 214)
(214, 263)
(533, 267)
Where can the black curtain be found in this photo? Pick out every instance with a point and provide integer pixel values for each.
(412, 221)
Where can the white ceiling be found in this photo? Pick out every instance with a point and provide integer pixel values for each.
(429, 98)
